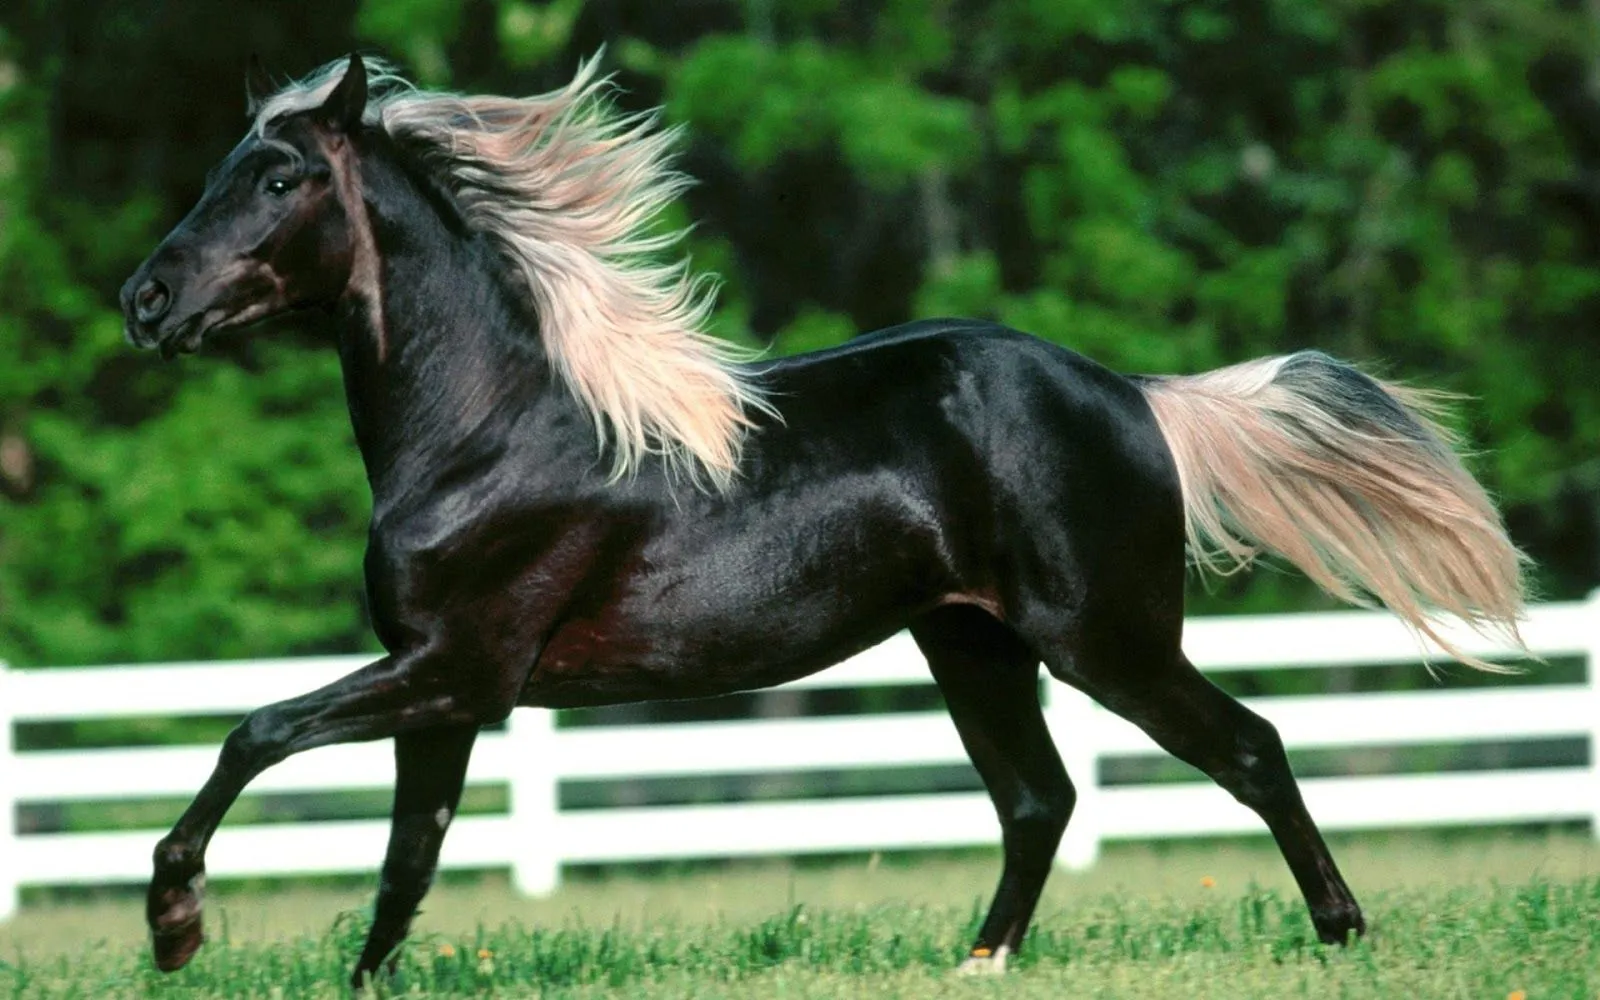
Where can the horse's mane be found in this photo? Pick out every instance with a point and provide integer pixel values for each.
(568, 188)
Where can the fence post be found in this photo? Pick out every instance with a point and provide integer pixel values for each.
(535, 851)
(1070, 715)
(1592, 673)
(8, 801)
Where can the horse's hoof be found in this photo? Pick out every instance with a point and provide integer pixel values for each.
(176, 931)
(991, 964)
(1339, 925)
(175, 947)
(368, 972)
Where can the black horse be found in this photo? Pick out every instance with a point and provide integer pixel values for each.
(580, 499)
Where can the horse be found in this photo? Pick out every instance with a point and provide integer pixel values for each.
(580, 497)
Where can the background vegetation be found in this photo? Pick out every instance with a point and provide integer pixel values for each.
(1165, 185)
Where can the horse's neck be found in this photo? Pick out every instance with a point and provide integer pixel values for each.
(437, 372)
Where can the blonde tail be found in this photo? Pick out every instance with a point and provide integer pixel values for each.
(1350, 479)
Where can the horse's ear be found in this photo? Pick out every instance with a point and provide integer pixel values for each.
(348, 100)
(257, 85)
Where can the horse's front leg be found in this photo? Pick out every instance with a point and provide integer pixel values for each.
(397, 694)
(430, 768)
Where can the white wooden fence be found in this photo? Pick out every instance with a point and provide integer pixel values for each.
(534, 837)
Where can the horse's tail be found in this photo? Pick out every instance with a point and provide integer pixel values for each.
(1349, 478)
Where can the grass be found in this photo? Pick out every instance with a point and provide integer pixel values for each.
(1467, 916)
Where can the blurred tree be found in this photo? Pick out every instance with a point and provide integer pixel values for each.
(1164, 185)
(151, 512)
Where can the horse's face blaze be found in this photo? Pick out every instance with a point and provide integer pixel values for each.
(268, 235)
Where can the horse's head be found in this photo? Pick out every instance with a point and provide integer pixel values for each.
(271, 233)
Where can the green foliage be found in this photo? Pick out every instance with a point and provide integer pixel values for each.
(809, 96)
(163, 514)
(814, 330)
(968, 285)
(531, 34)
(1163, 186)
(236, 511)
(422, 29)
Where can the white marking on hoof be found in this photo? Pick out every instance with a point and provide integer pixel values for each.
(981, 964)
(442, 817)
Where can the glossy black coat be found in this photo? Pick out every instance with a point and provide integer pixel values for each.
(1008, 501)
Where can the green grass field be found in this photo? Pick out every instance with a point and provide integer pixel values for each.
(1452, 916)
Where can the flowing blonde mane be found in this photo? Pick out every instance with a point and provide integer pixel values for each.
(569, 188)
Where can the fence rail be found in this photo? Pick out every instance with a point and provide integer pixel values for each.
(533, 756)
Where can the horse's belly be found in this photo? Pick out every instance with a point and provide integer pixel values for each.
(586, 665)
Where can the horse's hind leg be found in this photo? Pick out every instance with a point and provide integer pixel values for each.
(430, 769)
(990, 682)
(1198, 723)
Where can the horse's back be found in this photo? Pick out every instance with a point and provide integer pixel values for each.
(950, 391)
(1042, 475)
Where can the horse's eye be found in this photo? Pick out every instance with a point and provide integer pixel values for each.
(277, 186)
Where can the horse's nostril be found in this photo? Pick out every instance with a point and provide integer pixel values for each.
(150, 303)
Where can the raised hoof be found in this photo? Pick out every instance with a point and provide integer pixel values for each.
(993, 964)
(176, 931)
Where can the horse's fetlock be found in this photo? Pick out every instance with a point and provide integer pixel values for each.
(177, 856)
